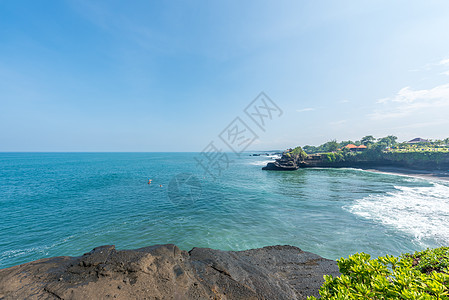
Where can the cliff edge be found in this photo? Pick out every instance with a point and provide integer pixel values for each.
(166, 272)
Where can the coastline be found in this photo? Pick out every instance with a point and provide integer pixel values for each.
(423, 174)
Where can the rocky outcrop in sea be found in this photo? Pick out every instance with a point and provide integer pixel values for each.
(166, 272)
(289, 161)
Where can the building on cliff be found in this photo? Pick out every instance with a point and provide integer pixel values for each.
(353, 147)
(418, 140)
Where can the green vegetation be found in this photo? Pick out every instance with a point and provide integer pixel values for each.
(388, 143)
(368, 140)
(423, 275)
(333, 156)
(327, 147)
(381, 149)
(297, 153)
(421, 147)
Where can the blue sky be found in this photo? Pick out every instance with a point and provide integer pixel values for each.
(170, 76)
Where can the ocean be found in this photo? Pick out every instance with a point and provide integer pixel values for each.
(54, 204)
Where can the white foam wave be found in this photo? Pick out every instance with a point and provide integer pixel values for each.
(422, 212)
(260, 162)
(42, 250)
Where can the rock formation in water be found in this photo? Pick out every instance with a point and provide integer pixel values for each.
(282, 165)
(289, 161)
(166, 272)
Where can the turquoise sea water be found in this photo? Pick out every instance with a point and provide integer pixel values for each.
(55, 204)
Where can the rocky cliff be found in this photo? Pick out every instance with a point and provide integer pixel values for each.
(395, 160)
(289, 161)
(166, 272)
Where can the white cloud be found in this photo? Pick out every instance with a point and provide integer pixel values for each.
(408, 102)
(305, 109)
(444, 62)
(344, 101)
(431, 66)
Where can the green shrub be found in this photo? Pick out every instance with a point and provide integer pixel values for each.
(328, 157)
(297, 153)
(423, 275)
(332, 156)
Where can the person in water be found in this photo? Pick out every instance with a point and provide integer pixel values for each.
(149, 181)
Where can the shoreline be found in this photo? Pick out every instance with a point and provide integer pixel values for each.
(422, 174)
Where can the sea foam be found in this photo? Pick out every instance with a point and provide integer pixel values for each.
(260, 162)
(422, 212)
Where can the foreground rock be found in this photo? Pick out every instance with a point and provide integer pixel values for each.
(166, 272)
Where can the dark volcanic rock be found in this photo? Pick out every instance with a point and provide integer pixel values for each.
(282, 165)
(166, 272)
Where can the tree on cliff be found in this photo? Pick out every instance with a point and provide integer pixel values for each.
(332, 146)
(326, 147)
(298, 154)
(387, 141)
(368, 140)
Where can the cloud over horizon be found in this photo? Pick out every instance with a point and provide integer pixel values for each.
(408, 102)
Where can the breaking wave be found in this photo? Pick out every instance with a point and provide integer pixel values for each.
(260, 162)
(422, 212)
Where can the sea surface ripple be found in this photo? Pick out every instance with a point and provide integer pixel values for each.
(54, 204)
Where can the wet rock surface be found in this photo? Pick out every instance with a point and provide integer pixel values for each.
(166, 272)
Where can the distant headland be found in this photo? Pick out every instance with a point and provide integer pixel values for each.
(415, 157)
